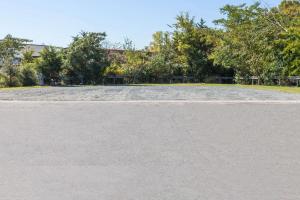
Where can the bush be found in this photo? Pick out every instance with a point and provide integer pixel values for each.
(113, 70)
(2, 80)
(11, 82)
(28, 75)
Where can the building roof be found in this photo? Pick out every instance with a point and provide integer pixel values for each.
(36, 48)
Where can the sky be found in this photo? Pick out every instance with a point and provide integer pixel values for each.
(54, 22)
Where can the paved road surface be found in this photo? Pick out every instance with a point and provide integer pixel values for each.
(149, 151)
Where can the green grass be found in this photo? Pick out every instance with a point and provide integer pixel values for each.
(293, 90)
(181, 84)
(285, 89)
(20, 88)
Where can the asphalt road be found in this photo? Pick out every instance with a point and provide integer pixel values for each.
(149, 151)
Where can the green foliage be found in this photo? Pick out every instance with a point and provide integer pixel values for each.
(260, 42)
(192, 46)
(10, 46)
(85, 59)
(116, 60)
(289, 40)
(27, 57)
(49, 64)
(114, 69)
(2, 80)
(290, 44)
(136, 64)
(130, 62)
(10, 72)
(163, 56)
(247, 41)
(28, 74)
(183, 52)
(9, 57)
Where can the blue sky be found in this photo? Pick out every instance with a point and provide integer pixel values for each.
(54, 22)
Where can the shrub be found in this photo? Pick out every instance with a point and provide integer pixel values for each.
(114, 70)
(2, 80)
(28, 75)
(10, 82)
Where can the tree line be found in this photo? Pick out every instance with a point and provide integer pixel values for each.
(250, 40)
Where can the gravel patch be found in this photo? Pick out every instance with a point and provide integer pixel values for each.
(136, 93)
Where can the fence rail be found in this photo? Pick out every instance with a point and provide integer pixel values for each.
(254, 80)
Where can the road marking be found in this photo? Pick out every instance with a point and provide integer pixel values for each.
(162, 101)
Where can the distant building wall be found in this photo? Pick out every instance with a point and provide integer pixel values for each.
(35, 48)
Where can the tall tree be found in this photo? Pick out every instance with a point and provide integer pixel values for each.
(136, 64)
(50, 63)
(289, 41)
(10, 56)
(248, 41)
(86, 58)
(28, 69)
(27, 57)
(192, 46)
(162, 61)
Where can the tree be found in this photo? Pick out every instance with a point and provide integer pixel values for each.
(85, 58)
(49, 64)
(289, 40)
(27, 57)
(290, 45)
(10, 49)
(131, 62)
(135, 65)
(28, 70)
(10, 72)
(192, 46)
(248, 41)
(116, 60)
(162, 63)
